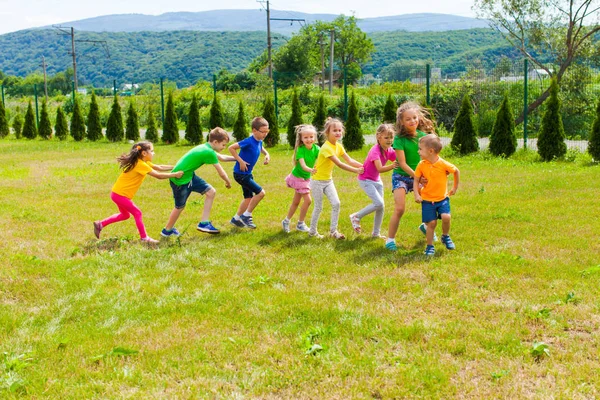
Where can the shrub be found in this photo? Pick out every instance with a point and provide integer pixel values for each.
(295, 119)
(170, 130)
(77, 122)
(354, 139)
(61, 128)
(240, 128)
(114, 126)
(272, 138)
(594, 144)
(320, 117)
(132, 126)
(464, 139)
(216, 113)
(94, 126)
(151, 131)
(503, 141)
(551, 139)
(45, 129)
(389, 111)
(193, 130)
(29, 128)
(4, 129)
(17, 124)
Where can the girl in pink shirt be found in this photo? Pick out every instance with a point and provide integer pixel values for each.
(370, 180)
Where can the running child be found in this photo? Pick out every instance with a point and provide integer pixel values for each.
(249, 152)
(435, 203)
(322, 181)
(135, 165)
(370, 181)
(306, 152)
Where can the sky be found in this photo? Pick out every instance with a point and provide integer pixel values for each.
(23, 14)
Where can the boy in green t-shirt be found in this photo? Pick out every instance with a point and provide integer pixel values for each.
(207, 153)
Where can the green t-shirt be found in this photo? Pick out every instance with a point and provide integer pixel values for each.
(410, 146)
(310, 156)
(192, 160)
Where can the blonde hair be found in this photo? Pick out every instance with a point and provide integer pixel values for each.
(383, 129)
(432, 142)
(299, 130)
(329, 123)
(425, 123)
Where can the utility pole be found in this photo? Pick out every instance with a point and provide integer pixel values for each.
(322, 45)
(332, 38)
(45, 80)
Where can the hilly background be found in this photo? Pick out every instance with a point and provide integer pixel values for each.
(143, 49)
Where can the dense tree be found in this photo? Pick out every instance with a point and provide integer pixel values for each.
(551, 139)
(594, 144)
(17, 123)
(45, 130)
(464, 139)
(151, 131)
(170, 130)
(216, 113)
(295, 119)
(94, 126)
(389, 111)
(503, 141)
(4, 129)
(132, 125)
(29, 128)
(61, 128)
(272, 138)
(320, 117)
(193, 129)
(77, 122)
(114, 126)
(240, 128)
(353, 139)
(297, 61)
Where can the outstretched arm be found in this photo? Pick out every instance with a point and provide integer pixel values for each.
(346, 167)
(306, 167)
(162, 167)
(351, 161)
(384, 168)
(165, 175)
(223, 158)
(223, 175)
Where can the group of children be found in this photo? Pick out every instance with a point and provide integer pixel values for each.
(411, 146)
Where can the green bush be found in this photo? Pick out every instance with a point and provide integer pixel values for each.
(272, 138)
(503, 141)
(464, 139)
(45, 130)
(17, 124)
(193, 130)
(389, 111)
(216, 113)
(77, 122)
(29, 128)
(295, 119)
(132, 125)
(151, 131)
(594, 144)
(61, 128)
(4, 129)
(551, 139)
(170, 130)
(94, 126)
(114, 126)
(320, 117)
(240, 128)
(354, 139)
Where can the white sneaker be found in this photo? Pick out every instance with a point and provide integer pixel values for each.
(286, 225)
(302, 227)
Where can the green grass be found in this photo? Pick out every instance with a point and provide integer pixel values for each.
(263, 314)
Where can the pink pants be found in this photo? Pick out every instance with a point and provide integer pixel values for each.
(126, 209)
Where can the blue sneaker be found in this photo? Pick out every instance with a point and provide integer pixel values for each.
(423, 229)
(172, 232)
(429, 250)
(248, 221)
(391, 246)
(448, 242)
(237, 222)
(207, 227)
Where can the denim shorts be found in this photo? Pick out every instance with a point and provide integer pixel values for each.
(402, 182)
(182, 192)
(249, 187)
(433, 210)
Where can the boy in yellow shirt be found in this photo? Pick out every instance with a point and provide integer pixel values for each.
(435, 203)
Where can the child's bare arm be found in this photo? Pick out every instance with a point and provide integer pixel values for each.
(417, 189)
(452, 191)
(223, 175)
(223, 158)
(351, 161)
(162, 167)
(306, 167)
(233, 150)
(401, 159)
(267, 156)
(346, 167)
(383, 168)
(165, 175)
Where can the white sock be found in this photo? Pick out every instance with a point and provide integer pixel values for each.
(247, 214)
(236, 217)
(390, 240)
(286, 219)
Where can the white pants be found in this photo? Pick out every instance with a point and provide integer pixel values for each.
(373, 189)
(318, 189)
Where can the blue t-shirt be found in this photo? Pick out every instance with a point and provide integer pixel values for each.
(250, 149)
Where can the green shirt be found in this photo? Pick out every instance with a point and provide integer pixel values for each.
(192, 160)
(410, 146)
(310, 156)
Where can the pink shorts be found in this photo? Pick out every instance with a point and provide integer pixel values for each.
(298, 184)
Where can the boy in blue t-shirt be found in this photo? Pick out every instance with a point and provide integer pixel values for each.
(249, 151)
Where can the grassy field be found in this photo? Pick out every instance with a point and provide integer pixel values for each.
(263, 314)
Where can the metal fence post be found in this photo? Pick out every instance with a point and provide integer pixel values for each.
(162, 104)
(275, 94)
(428, 83)
(345, 96)
(525, 105)
(37, 118)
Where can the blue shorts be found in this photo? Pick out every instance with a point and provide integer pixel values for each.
(433, 210)
(249, 187)
(402, 182)
(182, 192)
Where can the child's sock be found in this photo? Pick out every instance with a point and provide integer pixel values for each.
(247, 214)
(390, 240)
(205, 222)
(286, 219)
(236, 216)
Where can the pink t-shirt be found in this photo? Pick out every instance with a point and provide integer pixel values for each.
(375, 153)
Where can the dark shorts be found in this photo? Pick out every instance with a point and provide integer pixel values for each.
(181, 193)
(402, 182)
(434, 210)
(249, 187)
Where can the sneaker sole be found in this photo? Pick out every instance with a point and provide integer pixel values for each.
(208, 231)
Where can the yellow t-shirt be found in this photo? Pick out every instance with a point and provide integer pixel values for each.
(324, 165)
(129, 182)
(437, 178)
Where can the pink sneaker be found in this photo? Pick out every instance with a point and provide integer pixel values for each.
(355, 221)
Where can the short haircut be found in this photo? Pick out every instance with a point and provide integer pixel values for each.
(218, 134)
(259, 122)
(432, 141)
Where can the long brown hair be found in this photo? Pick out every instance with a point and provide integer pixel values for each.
(425, 123)
(128, 161)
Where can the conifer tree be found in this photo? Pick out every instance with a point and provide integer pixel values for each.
(114, 125)
(132, 126)
(94, 126)
(503, 141)
(272, 138)
(170, 130)
(151, 131)
(45, 130)
(295, 119)
(61, 128)
(551, 139)
(193, 129)
(240, 129)
(216, 113)
(464, 139)
(389, 111)
(320, 117)
(29, 128)
(77, 122)
(594, 144)
(17, 123)
(4, 129)
(353, 138)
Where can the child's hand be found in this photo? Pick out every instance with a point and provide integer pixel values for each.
(360, 170)
(243, 166)
(396, 164)
(178, 174)
(313, 171)
(418, 198)
(452, 192)
(228, 185)
(267, 159)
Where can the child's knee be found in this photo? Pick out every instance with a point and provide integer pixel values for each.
(378, 205)
(211, 193)
(261, 194)
(399, 210)
(446, 217)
